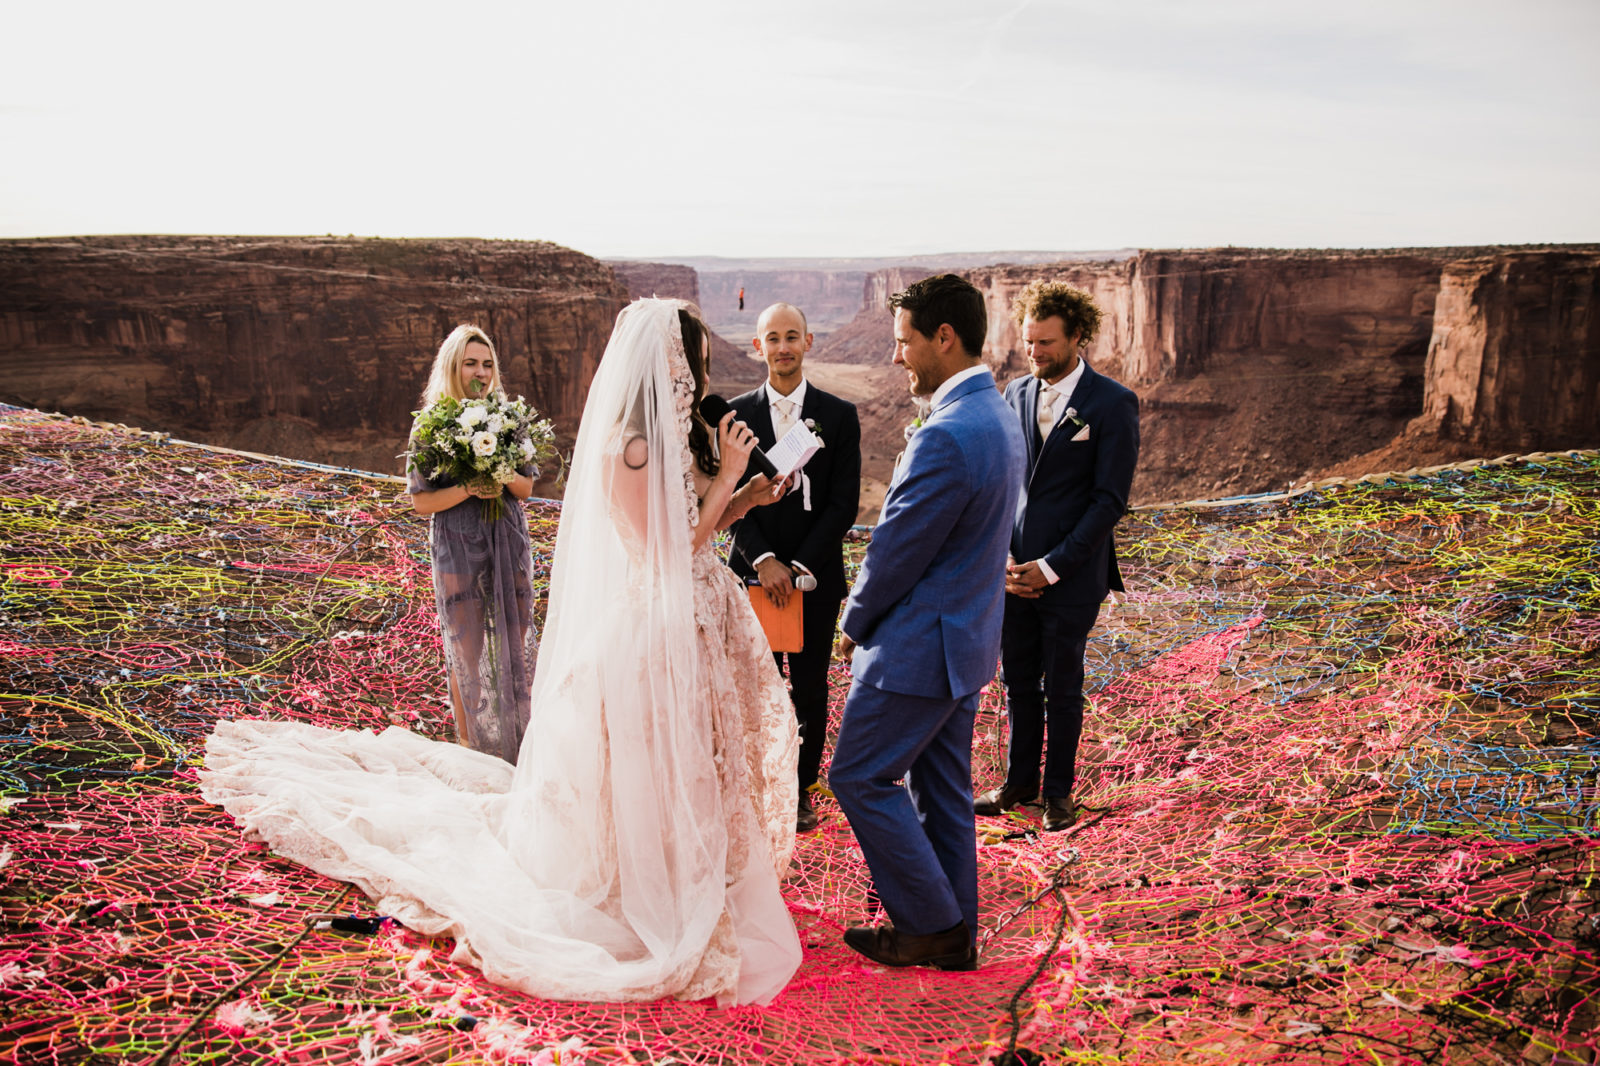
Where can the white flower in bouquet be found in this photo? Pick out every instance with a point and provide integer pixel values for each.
(480, 442)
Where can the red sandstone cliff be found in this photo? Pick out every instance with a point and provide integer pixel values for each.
(734, 368)
(1256, 368)
(1514, 360)
(309, 347)
(667, 280)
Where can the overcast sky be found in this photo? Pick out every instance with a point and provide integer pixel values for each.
(818, 127)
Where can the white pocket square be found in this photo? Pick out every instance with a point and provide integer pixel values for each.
(1083, 434)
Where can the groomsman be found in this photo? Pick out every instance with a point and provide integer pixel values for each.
(1082, 430)
(803, 533)
(924, 623)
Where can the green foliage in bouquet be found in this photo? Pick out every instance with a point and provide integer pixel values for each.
(479, 443)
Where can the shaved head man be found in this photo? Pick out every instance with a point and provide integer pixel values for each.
(799, 541)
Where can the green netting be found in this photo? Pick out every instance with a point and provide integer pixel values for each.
(1341, 765)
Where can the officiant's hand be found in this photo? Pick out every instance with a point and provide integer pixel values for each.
(762, 490)
(778, 581)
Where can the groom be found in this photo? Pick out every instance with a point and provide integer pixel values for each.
(924, 623)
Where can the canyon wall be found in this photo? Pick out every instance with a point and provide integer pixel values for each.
(735, 368)
(657, 279)
(828, 297)
(1257, 368)
(1514, 360)
(308, 347)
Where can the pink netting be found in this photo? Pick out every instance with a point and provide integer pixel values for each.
(1341, 764)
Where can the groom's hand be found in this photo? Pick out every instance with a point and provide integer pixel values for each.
(777, 579)
(846, 646)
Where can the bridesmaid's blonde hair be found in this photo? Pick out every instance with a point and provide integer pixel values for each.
(445, 377)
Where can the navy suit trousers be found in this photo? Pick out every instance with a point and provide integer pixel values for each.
(1041, 660)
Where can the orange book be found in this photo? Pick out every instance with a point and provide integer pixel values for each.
(782, 624)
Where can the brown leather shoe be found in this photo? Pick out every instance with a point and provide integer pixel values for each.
(1059, 814)
(805, 820)
(952, 949)
(1000, 800)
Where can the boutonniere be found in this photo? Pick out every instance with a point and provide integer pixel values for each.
(912, 427)
(811, 424)
(1079, 428)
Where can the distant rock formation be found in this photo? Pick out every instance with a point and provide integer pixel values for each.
(657, 279)
(1257, 368)
(314, 348)
(826, 288)
(828, 297)
(1514, 359)
(734, 368)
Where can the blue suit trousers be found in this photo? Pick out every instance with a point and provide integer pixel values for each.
(905, 784)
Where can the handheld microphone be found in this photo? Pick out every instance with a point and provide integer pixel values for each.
(805, 581)
(712, 408)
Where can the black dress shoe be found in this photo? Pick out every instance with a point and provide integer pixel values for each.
(805, 820)
(1059, 814)
(952, 949)
(1000, 800)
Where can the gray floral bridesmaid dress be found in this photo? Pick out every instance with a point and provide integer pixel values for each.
(483, 587)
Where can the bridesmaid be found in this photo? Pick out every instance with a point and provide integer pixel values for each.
(481, 570)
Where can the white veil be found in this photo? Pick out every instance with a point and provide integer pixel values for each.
(617, 772)
(603, 866)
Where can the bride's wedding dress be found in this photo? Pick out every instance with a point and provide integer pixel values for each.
(634, 851)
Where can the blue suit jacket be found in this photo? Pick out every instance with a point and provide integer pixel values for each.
(1076, 490)
(926, 608)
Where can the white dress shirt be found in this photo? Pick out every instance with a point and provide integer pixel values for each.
(1057, 396)
(798, 398)
(952, 381)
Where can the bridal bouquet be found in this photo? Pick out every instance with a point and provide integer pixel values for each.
(479, 442)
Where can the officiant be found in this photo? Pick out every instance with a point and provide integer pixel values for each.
(800, 538)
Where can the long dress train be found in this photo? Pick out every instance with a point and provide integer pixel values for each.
(635, 850)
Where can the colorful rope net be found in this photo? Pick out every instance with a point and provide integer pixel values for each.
(1340, 772)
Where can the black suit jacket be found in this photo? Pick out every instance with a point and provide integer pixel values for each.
(813, 538)
(1076, 490)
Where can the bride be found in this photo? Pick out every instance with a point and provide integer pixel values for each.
(635, 849)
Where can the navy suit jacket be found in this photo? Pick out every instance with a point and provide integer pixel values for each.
(813, 538)
(926, 608)
(1076, 490)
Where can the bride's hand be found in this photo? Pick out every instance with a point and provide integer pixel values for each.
(735, 442)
